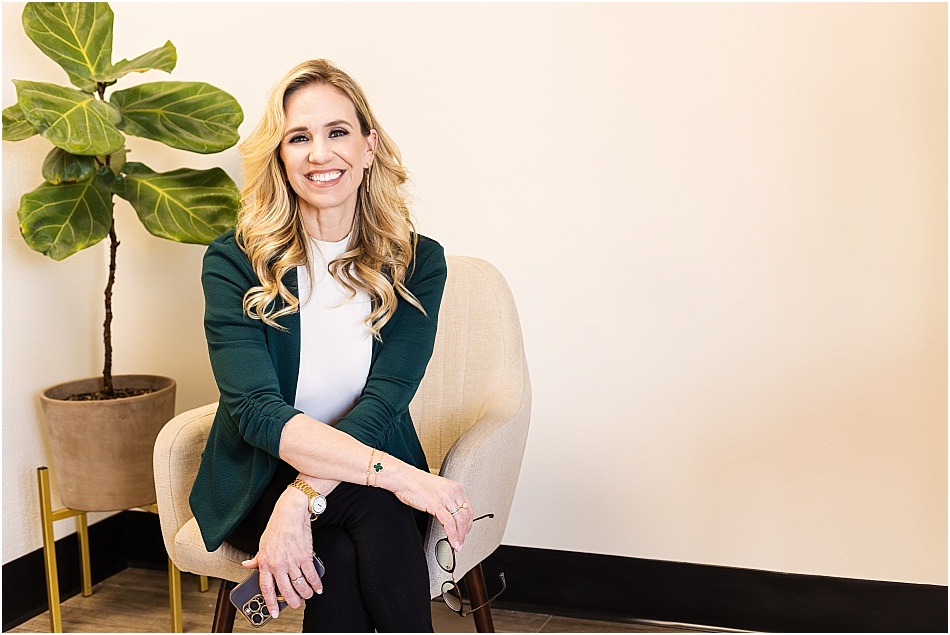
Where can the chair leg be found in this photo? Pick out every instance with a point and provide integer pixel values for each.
(174, 597)
(224, 611)
(478, 594)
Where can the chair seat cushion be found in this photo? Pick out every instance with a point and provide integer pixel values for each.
(224, 562)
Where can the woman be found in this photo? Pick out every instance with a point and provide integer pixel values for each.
(321, 312)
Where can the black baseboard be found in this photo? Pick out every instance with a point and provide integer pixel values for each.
(617, 588)
(563, 583)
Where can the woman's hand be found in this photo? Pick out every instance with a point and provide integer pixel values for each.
(286, 553)
(437, 496)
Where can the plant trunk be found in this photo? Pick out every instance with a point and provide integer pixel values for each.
(107, 386)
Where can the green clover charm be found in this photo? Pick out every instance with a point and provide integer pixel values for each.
(378, 467)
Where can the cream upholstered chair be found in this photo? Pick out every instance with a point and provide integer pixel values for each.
(471, 413)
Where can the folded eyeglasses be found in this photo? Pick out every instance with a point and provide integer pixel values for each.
(445, 556)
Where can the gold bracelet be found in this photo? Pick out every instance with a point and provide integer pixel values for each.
(369, 465)
(379, 468)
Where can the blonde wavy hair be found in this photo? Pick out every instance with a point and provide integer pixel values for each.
(270, 228)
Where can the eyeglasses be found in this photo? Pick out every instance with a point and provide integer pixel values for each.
(445, 556)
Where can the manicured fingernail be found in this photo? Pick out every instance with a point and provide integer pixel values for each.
(276, 614)
(458, 546)
(319, 591)
(245, 562)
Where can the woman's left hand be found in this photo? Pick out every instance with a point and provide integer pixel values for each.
(285, 558)
(442, 498)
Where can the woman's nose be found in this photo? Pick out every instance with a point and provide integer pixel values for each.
(319, 152)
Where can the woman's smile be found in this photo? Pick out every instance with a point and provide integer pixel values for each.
(326, 178)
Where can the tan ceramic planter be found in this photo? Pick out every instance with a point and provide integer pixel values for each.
(102, 450)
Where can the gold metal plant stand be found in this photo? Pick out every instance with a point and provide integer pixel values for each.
(49, 516)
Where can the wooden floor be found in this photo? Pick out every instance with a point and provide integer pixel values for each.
(136, 600)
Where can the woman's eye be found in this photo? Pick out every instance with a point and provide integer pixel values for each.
(338, 132)
(297, 138)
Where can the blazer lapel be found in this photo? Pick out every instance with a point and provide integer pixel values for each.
(286, 345)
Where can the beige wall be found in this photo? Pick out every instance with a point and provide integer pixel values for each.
(725, 226)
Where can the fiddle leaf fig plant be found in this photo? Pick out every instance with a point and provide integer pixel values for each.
(73, 208)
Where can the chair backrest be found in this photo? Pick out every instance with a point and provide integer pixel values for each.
(175, 460)
(478, 363)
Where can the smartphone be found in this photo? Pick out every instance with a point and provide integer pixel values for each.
(249, 601)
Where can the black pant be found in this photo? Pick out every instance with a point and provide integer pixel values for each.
(376, 573)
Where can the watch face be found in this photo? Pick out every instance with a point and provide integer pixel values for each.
(318, 504)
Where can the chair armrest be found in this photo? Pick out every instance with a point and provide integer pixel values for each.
(175, 460)
(486, 461)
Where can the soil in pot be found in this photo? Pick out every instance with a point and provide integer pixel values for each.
(100, 395)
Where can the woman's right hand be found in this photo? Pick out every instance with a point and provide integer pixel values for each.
(286, 553)
(437, 496)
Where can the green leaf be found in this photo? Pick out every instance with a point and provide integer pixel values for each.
(75, 35)
(15, 125)
(117, 162)
(163, 58)
(70, 119)
(187, 115)
(63, 167)
(59, 220)
(190, 206)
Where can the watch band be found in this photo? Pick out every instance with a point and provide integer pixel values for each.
(311, 493)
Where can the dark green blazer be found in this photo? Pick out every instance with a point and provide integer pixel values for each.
(256, 366)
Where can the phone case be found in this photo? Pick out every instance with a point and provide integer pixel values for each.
(249, 601)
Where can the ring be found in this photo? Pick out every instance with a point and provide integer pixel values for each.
(299, 580)
(457, 509)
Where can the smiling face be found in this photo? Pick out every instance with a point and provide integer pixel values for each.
(324, 154)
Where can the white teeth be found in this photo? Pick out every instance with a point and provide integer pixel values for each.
(326, 176)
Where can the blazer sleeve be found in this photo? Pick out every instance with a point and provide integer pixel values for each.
(407, 343)
(237, 345)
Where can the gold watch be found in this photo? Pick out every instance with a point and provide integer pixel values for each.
(318, 502)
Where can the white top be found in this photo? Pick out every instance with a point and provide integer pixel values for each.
(336, 346)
